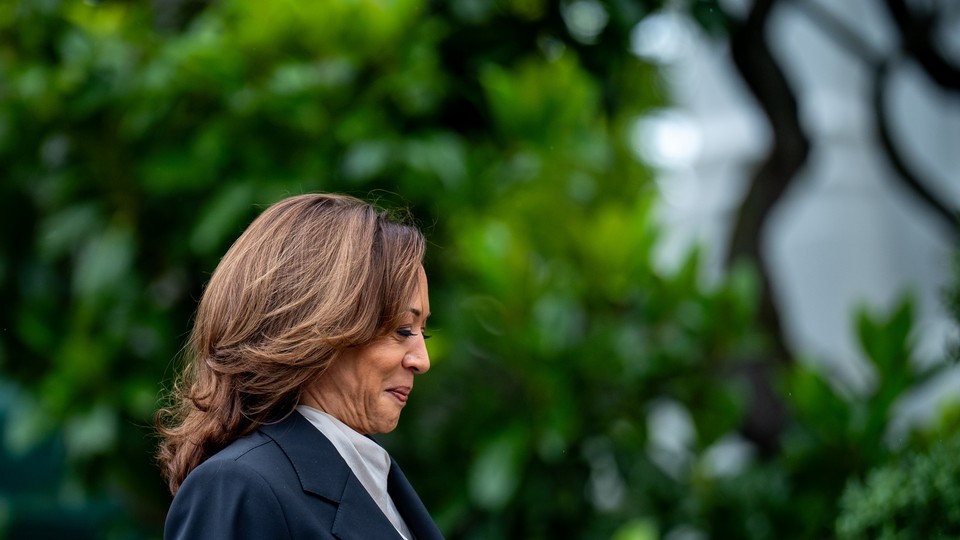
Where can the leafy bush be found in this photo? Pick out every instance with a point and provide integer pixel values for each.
(136, 144)
(915, 494)
(916, 497)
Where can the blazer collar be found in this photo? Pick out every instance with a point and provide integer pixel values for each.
(323, 472)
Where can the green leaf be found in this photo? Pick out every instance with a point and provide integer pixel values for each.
(886, 341)
(92, 432)
(366, 159)
(28, 428)
(103, 261)
(65, 230)
(441, 154)
(495, 472)
(222, 218)
(637, 529)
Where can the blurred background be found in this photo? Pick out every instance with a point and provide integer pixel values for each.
(693, 263)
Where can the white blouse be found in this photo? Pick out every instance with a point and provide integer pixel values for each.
(369, 462)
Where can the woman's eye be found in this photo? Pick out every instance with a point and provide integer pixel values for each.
(407, 332)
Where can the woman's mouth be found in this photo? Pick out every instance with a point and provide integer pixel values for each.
(401, 393)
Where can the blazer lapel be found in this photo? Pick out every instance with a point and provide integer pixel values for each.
(359, 517)
(323, 472)
(411, 508)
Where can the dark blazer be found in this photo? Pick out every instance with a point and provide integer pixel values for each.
(286, 480)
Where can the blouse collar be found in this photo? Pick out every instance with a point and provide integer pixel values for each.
(368, 461)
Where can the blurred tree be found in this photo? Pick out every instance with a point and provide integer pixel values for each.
(916, 27)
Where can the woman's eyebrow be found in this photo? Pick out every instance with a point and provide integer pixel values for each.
(417, 313)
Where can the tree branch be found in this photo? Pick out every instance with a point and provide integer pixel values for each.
(916, 36)
(766, 81)
(848, 39)
(907, 177)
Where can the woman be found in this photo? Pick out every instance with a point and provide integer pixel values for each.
(307, 340)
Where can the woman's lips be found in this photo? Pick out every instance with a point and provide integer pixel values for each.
(400, 392)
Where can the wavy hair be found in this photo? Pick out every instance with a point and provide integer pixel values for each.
(311, 276)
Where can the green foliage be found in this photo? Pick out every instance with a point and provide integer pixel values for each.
(857, 422)
(912, 495)
(565, 340)
(132, 155)
(917, 496)
(841, 433)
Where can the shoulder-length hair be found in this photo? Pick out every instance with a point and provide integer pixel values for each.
(311, 276)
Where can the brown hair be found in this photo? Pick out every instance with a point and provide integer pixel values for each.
(312, 275)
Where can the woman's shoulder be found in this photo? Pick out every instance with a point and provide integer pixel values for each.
(252, 451)
(249, 465)
(233, 494)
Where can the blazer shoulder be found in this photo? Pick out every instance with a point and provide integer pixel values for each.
(249, 449)
(228, 496)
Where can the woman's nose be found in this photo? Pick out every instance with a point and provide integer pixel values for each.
(418, 359)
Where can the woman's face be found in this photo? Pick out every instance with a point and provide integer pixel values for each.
(367, 387)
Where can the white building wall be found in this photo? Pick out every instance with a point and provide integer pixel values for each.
(846, 234)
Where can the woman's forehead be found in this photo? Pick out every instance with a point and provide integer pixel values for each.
(420, 300)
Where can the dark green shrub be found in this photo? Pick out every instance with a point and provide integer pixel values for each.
(917, 497)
